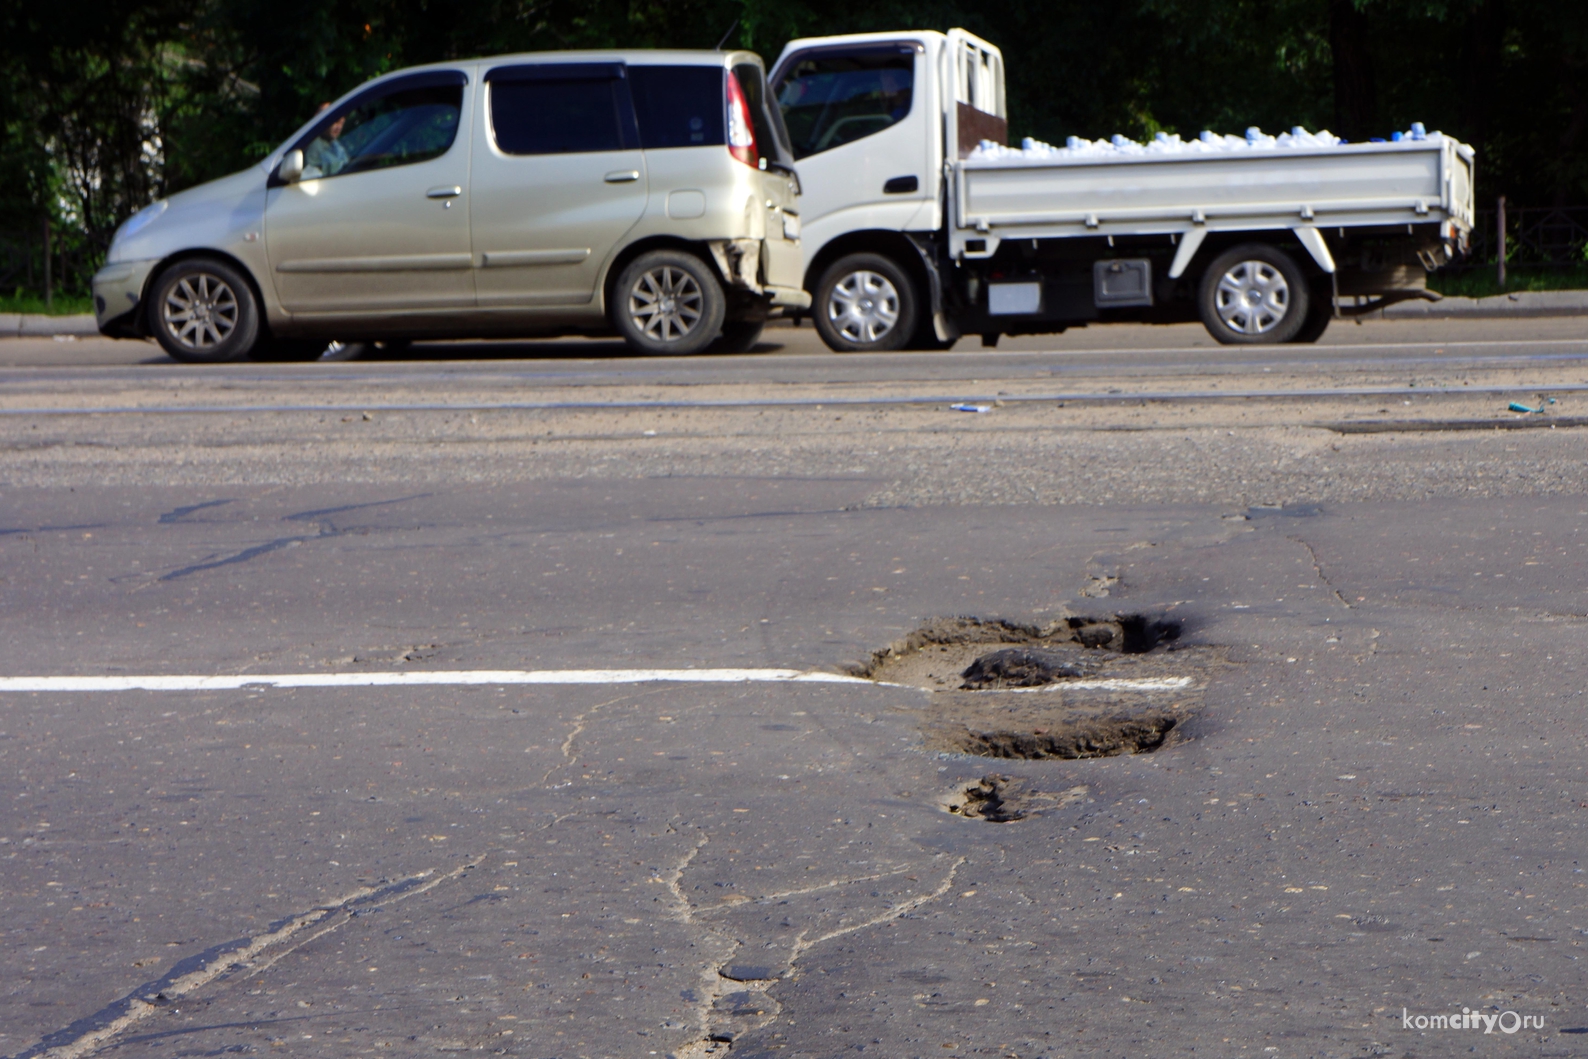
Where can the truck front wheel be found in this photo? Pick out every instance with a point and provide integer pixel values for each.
(865, 303)
(1253, 293)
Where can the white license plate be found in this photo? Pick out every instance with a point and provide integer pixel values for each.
(1013, 299)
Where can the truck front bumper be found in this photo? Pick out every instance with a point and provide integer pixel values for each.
(118, 294)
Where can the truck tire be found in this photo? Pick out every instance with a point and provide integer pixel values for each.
(1253, 293)
(202, 311)
(865, 303)
(669, 303)
(1319, 313)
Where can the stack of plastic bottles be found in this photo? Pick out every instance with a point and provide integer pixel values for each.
(1170, 143)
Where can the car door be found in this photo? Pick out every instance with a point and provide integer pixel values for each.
(862, 135)
(558, 178)
(377, 223)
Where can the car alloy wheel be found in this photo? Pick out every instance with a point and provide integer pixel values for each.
(666, 304)
(200, 312)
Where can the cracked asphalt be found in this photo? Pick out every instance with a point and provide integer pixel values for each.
(1374, 813)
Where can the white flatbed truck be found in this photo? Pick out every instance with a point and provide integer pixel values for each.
(915, 231)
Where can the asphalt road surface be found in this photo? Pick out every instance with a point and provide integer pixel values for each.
(1310, 781)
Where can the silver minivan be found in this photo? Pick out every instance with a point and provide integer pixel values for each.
(649, 194)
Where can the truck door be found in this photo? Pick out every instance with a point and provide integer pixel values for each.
(863, 132)
(373, 225)
(558, 178)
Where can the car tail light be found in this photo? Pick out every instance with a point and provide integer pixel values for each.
(741, 134)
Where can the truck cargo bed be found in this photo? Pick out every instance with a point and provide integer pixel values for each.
(1351, 185)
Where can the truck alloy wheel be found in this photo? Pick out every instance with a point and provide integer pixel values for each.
(202, 311)
(667, 301)
(1254, 293)
(865, 302)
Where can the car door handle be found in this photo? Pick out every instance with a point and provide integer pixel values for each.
(622, 176)
(451, 191)
(901, 185)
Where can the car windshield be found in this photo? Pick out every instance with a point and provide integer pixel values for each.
(831, 100)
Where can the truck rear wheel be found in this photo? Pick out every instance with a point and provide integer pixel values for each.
(1319, 313)
(1253, 293)
(865, 303)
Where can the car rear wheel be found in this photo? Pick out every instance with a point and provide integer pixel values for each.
(865, 303)
(668, 302)
(1254, 293)
(202, 311)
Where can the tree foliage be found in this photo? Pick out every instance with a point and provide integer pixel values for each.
(108, 104)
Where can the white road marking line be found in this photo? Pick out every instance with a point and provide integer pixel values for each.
(441, 678)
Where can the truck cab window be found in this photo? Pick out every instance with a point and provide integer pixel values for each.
(398, 128)
(562, 116)
(831, 100)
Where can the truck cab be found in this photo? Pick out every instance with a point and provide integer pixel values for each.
(868, 117)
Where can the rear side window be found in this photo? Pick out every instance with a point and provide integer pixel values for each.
(559, 110)
(678, 106)
(829, 100)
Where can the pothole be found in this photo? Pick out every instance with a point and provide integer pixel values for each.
(937, 655)
(1078, 687)
(998, 799)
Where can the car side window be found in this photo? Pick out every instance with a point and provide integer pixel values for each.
(560, 109)
(832, 99)
(401, 127)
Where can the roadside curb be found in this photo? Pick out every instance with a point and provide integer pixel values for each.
(1501, 306)
(37, 325)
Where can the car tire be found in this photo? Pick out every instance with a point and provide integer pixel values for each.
(203, 311)
(1253, 294)
(668, 303)
(865, 303)
(738, 336)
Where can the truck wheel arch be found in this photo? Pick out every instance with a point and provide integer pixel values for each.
(893, 245)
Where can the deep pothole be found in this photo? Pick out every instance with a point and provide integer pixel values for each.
(1078, 687)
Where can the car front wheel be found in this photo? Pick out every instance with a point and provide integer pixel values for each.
(203, 311)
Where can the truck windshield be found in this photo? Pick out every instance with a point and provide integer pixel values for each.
(832, 99)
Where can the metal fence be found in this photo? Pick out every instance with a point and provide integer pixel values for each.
(72, 263)
(1537, 238)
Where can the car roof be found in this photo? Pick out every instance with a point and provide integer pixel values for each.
(630, 56)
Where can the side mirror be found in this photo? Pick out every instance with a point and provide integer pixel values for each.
(291, 167)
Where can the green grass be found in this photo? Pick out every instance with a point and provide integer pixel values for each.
(1480, 283)
(62, 305)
